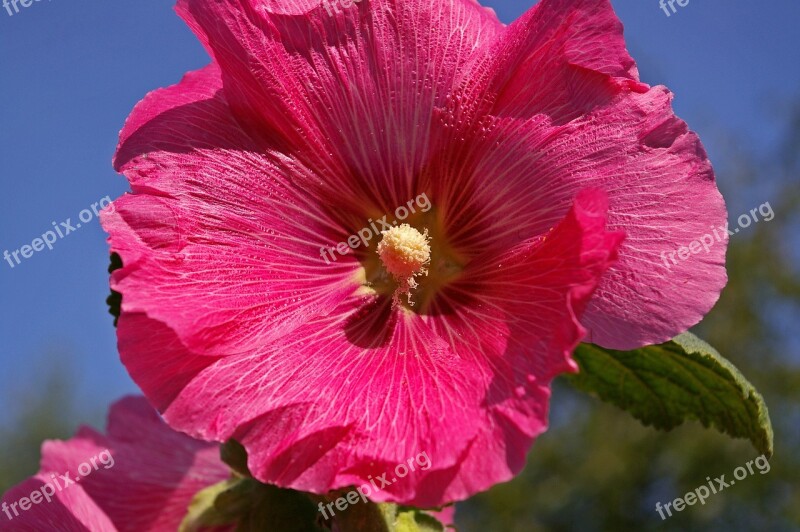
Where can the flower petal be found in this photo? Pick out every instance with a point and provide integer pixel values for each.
(352, 95)
(68, 510)
(385, 388)
(222, 270)
(562, 58)
(524, 324)
(554, 105)
(152, 474)
(388, 384)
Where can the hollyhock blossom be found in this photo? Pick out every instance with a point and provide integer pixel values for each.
(146, 475)
(537, 146)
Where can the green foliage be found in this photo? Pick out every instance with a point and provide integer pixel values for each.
(663, 385)
(250, 505)
(203, 512)
(414, 520)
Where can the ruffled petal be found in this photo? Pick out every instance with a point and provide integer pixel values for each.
(352, 93)
(216, 241)
(554, 105)
(513, 179)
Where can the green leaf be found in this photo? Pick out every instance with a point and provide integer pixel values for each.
(366, 517)
(663, 385)
(202, 512)
(414, 520)
(386, 517)
(251, 505)
(265, 507)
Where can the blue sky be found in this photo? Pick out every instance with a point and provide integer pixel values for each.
(71, 71)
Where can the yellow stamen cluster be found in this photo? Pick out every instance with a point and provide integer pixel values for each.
(405, 252)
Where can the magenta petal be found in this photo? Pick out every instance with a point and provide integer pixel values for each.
(523, 174)
(526, 331)
(560, 108)
(658, 178)
(562, 58)
(377, 401)
(160, 373)
(155, 472)
(353, 94)
(388, 385)
(68, 510)
(258, 245)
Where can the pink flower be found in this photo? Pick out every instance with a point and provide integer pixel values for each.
(305, 129)
(141, 476)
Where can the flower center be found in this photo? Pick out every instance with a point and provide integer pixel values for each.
(405, 253)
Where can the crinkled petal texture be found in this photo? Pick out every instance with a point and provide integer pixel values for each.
(537, 147)
(141, 476)
(564, 94)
